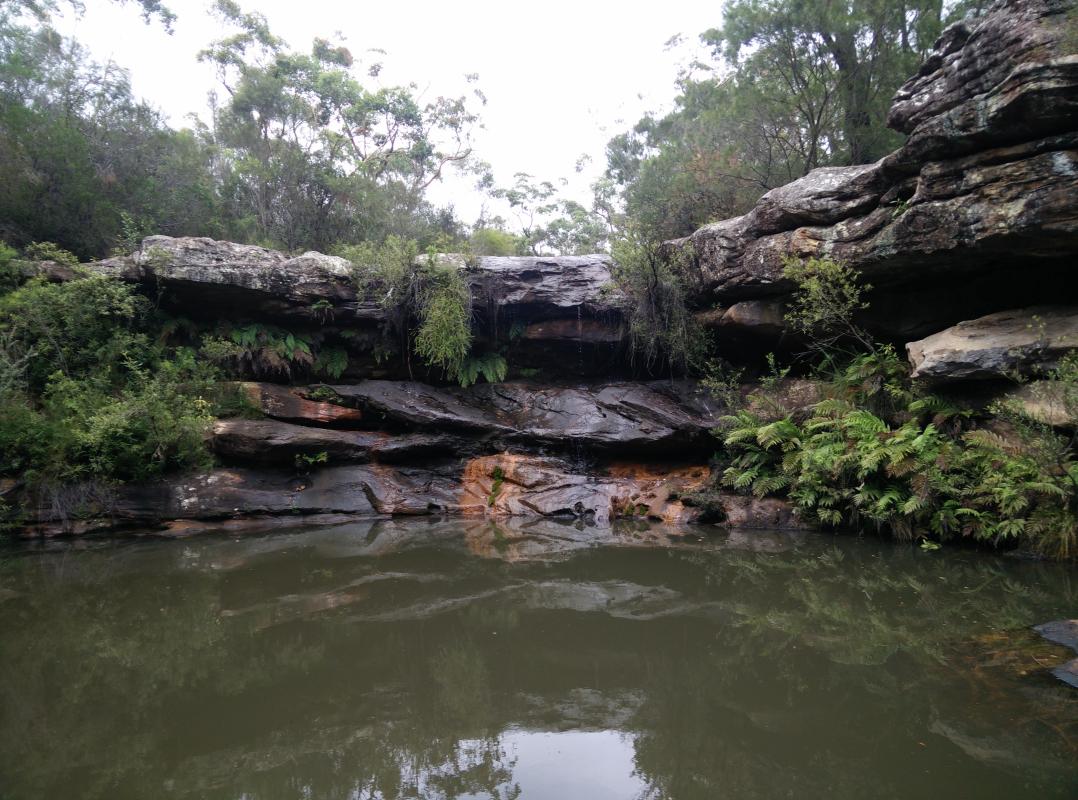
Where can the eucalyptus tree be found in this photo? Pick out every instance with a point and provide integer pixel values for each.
(792, 85)
(79, 153)
(312, 155)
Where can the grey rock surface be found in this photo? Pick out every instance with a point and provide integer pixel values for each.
(1024, 341)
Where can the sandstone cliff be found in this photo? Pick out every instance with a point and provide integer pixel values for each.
(975, 214)
(973, 223)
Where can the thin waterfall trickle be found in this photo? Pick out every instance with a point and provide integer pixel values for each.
(579, 341)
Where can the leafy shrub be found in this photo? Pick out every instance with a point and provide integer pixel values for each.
(10, 274)
(427, 300)
(662, 331)
(829, 294)
(496, 242)
(81, 431)
(47, 251)
(89, 327)
(87, 395)
(916, 470)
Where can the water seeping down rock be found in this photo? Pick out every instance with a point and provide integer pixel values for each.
(968, 233)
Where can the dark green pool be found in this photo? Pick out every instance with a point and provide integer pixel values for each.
(461, 660)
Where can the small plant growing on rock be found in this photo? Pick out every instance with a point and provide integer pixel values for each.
(305, 462)
(662, 331)
(491, 366)
(498, 476)
(828, 297)
(427, 301)
(331, 362)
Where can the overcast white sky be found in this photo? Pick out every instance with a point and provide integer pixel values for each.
(560, 77)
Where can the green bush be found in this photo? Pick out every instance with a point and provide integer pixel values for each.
(87, 394)
(496, 242)
(47, 251)
(428, 304)
(876, 452)
(662, 331)
(828, 297)
(90, 328)
(10, 274)
(443, 337)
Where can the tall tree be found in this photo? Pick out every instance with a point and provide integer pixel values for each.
(313, 155)
(793, 85)
(79, 154)
(859, 50)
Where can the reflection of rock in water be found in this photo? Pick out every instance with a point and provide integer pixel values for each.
(1009, 671)
(762, 541)
(1064, 632)
(385, 659)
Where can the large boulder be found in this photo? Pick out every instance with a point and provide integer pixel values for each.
(205, 277)
(986, 181)
(997, 346)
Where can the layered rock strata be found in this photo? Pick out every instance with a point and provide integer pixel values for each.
(551, 313)
(384, 448)
(968, 234)
(975, 214)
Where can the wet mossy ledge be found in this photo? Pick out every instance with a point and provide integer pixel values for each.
(932, 290)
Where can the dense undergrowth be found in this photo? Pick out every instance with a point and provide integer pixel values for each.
(91, 394)
(99, 387)
(877, 450)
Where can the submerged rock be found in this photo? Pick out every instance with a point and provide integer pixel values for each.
(1064, 632)
(1060, 631)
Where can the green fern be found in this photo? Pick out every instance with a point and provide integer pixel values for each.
(491, 366)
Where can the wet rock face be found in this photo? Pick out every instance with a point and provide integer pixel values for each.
(291, 405)
(600, 453)
(1024, 341)
(267, 441)
(543, 287)
(659, 418)
(497, 486)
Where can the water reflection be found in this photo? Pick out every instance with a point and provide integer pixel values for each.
(446, 660)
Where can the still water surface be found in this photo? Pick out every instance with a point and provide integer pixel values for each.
(467, 660)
